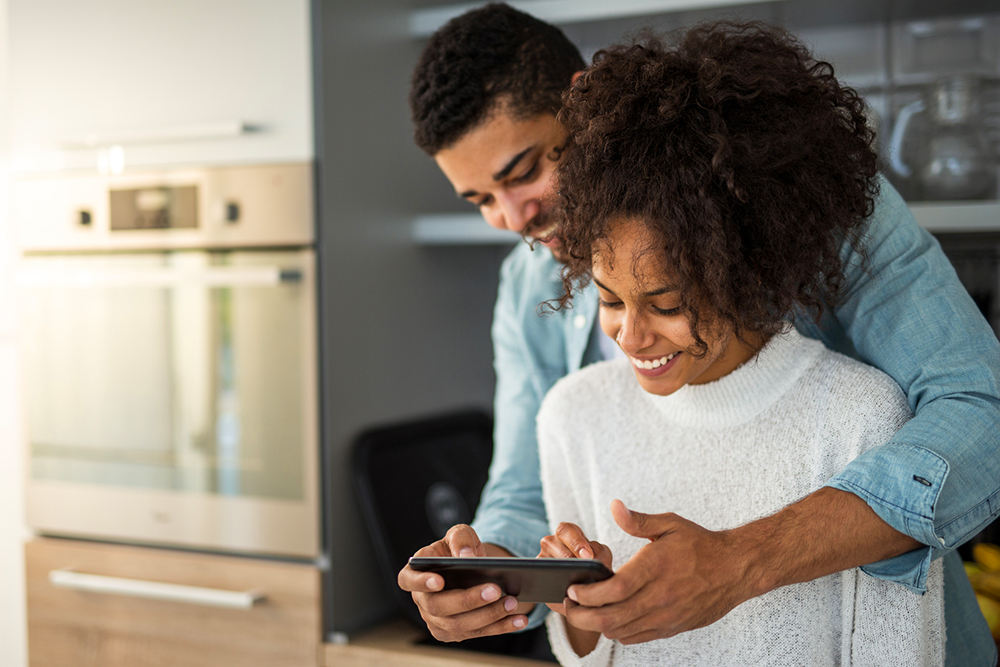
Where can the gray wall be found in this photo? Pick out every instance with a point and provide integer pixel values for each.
(404, 328)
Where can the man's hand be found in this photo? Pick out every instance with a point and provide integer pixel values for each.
(456, 615)
(687, 577)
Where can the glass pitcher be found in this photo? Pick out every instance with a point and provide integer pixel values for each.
(952, 158)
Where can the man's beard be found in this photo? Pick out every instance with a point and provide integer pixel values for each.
(542, 222)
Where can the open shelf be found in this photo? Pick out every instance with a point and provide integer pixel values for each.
(957, 216)
(458, 229)
(471, 229)
(424, 22)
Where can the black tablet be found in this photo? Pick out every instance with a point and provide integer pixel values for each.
(527, 579)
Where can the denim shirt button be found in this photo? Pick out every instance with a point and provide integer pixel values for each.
(941, 540)
(579, 321)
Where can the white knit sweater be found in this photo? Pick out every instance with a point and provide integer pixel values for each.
(723, 454)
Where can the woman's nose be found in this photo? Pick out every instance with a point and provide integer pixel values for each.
(633, 335)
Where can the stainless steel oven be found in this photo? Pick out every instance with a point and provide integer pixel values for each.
(169, 357)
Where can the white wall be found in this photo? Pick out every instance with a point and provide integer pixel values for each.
(13, 639)
(139, 70)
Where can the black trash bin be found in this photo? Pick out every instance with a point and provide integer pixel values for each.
(415, 480)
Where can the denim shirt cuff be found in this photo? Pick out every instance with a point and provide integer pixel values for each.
(509, 534)
(901, 483)
(909, 569)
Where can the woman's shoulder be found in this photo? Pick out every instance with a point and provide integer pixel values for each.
(857, 388)
(598, 383)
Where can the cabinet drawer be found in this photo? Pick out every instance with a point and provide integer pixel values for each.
(80, 627)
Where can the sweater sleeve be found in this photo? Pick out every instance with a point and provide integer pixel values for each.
(563, 500)
(894, 625)
(560, 490)
(601, 656)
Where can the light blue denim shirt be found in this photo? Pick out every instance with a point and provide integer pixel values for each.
(937, 480)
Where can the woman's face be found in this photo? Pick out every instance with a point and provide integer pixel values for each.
(639, 309)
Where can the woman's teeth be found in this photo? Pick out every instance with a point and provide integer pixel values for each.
(654, 363)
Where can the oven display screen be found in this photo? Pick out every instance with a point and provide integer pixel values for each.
(155, 208)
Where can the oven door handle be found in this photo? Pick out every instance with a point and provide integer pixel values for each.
(211, 276)
(213, 597)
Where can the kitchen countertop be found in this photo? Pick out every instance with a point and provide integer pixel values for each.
(392, 645)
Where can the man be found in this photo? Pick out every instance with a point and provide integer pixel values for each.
(484, 99)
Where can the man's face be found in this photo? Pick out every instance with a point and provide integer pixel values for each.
(504, 166)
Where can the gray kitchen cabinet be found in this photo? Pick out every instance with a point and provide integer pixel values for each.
(886, 49)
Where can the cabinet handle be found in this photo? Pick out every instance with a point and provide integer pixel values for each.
(236, 276)
(156, 135)
(155, 590)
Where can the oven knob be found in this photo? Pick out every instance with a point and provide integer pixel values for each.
(84, 217)
(232, 211)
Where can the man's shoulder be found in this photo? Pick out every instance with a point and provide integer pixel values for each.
(526, 265)
(530, 278)
(892, 222)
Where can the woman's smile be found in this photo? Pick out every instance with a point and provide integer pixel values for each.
(655, 366)
(642, 310)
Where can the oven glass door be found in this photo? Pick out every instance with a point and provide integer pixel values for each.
(176, 386)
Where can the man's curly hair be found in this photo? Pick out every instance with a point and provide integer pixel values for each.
(487, 56)
(746, 161)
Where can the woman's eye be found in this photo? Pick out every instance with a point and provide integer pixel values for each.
(609, 304)
(666, 311)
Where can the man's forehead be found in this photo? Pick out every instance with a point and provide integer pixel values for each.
(506, 133)
(493, 147)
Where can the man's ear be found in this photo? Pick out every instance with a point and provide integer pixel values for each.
(576, 76)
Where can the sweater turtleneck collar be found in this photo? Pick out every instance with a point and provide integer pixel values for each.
(744, 393)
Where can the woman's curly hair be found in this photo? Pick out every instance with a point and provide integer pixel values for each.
(748, 163)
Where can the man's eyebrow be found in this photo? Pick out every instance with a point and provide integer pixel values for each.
(513, 163)
(503, 173)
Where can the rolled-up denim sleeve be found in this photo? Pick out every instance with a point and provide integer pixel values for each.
(511, 512)
(938, 478)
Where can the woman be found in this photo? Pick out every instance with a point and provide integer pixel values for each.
(707, 191)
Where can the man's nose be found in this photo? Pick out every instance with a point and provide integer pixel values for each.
(517, 212)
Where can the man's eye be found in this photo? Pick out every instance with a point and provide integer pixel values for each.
(528, 175)
(484, 201)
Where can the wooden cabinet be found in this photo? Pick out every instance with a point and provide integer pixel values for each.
(68, 626)
(394, 645)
